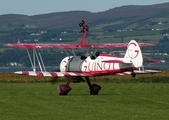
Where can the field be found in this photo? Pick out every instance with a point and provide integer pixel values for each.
(24, 101)
(116, 100)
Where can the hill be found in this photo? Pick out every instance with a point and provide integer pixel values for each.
(148, 23)
(71, 18)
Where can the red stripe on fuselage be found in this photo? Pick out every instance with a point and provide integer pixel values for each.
(108, 55)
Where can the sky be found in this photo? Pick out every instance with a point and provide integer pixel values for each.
(36, 7)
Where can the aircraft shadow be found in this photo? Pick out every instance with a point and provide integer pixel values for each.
(88, 95)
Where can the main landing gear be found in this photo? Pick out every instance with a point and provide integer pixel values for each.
(64, 88)
(94, 88)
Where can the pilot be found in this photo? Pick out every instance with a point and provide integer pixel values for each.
(87, 55)
(97, 54)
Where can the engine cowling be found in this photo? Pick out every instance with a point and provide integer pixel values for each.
(71, 64)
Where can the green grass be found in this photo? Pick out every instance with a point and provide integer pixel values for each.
(117, 101)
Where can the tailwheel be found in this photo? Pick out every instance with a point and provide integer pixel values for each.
(64, 89)
(133, 74)
(94, 89)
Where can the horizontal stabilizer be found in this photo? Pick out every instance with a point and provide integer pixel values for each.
(154, 61)
(140, 72)
(147, 71)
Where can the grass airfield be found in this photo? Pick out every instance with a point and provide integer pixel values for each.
(117, 100)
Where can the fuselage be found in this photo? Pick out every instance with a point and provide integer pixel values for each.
(93, 65)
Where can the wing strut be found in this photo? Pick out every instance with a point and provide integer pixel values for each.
(36, 57)
(42, 61)
(31, 60)
(70, 50)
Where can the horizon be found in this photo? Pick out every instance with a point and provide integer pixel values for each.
(32, 8)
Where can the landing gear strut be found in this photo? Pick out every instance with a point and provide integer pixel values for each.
(64, 88)
(94, 88)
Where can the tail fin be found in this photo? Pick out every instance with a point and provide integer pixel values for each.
(134, 53)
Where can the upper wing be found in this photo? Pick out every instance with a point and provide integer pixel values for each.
(34, 46)
(115, 45)
(94, 45)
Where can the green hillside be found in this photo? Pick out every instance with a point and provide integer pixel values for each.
(149, 23)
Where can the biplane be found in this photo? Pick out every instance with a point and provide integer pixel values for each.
(79, 67)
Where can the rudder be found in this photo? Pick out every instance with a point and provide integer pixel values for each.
(134, 53)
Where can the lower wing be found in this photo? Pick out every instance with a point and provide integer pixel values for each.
(51, 74)
(67, 74)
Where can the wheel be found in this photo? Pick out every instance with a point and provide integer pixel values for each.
(94, 89)
(63, 89)
(133, 74)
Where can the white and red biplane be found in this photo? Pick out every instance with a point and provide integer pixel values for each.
(97, 64)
